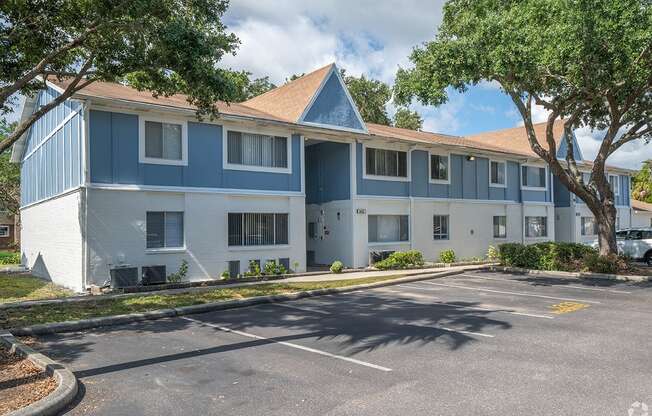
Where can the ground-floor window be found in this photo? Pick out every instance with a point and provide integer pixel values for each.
(257, 229)
(440, 227)
(388, 228)
(500, 226)
(589, 226)
(164, 229)
(536, 226)
(4, 231)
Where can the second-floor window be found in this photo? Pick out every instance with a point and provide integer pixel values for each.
(384, 162)
(497, 173)
(163, 142)
(614, 184)
(533, 177)
(439, 168)
(258, 150)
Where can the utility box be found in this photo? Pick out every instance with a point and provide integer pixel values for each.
(153, 275)
(124, 277)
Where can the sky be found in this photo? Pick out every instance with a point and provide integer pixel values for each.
(284, 37)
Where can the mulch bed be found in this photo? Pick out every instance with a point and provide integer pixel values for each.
(21, 382)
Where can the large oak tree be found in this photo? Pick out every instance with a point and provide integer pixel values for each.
(587, 62)
(165, 46)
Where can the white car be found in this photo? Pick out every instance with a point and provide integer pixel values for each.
(635, 243)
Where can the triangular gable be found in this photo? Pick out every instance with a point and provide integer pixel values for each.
(563, 148)
(333, 107)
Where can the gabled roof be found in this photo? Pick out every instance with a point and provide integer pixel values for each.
(641, 206)
(514, 140)
(288, 102)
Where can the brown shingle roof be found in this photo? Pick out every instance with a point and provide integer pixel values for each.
(641, 206)
(514, 140)
(289, 101)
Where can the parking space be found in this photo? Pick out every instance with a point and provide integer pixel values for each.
(478, 343)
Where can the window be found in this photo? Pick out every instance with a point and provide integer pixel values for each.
(614, 184)
(439, 168)
(163, 142)
(533, 177)
(382, 162)
(388, 228)
(4, 231)
(440, 227)
(536, 226)
(589, 226)
(497, 173)
(164, 229)
(253, 229)
(260, 150)
(500, 226)
(312, 230)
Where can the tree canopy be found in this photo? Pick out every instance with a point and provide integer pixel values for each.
(370, 96)
(587, 63)
(9, 176)
(249, 88)
(407, 119)
(642, 183)
(166, 46)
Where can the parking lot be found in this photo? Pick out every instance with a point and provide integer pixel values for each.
(472, 344)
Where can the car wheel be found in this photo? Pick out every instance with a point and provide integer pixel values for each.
(648, 258)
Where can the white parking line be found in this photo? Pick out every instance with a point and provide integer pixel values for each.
(477, 308)
(289, 344)
(484, 289)
(417, 287)
(459, 331)
(561, 286)
(301, 308)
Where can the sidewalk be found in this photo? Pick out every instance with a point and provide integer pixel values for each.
(307, 278)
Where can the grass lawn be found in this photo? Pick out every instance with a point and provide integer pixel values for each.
(105, 307)
(15, 288)
(9, 258)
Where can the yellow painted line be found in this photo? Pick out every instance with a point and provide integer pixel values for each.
(567, 307)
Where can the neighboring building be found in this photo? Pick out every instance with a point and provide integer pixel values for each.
(116, 177)
(8, 235)
(641, 214)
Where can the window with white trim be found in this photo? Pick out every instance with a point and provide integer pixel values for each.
(497, 173)
(4, 231)
(536, 227)
(440, 227)
(439, 168)
(260, 150)
(388, 228)
(257, 229)
(164, 229)
(533, 177)
(589, 226)
(614, 184)
(384, 162)
(500, 226)
(163, 141)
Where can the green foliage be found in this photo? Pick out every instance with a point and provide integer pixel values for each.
(9, 175)
(272, 268)
(447, 256)
(226, 275)
(337, 267)
(295, 264)
(9, 257)
(544, 256)
(610, 264)
(407, 119)
(254, 269)
(642, 183)
(401, 260)
(492, 253)
(248, 88)
(179, 275)
(370, 96)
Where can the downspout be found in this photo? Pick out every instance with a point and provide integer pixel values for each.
(84, 194)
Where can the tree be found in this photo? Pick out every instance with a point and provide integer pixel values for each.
(406, 119)
(294, 77)
(9, 176)
(587, 62)
(370, 96)
(165, 46)
(247, 88)
(642, 183)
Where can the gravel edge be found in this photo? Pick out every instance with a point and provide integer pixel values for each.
(71, 326)
(66, 380)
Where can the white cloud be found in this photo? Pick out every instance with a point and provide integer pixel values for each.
(444, 118)
(629, 156)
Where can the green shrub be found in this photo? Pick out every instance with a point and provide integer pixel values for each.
(270, 267)
(447, 256)
(337, 267)
(401, 260)
(544, 256)
(8, 257)
(612, 264)
(254, 269)
(493, 254)
(226, 275)
(179, 275)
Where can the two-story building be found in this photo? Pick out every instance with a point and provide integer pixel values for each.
(115, 177)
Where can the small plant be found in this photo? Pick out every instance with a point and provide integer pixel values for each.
(493, 254)
(447, 256)
(7, 257)
(179, 275)
(280, 269)
(226, 275)
(270, 267)
(254, 269)
(295, 266)
(401, 260)
(337, 267)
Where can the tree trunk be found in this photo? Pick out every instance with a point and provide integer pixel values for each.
(605, 217)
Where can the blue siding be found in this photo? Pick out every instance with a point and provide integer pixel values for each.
(377, 187)
(562, 194)
(332, 106)
(538, 196)
(51, 163)
(328, 176)
(114, 159)
(625, 192)
(577, 151)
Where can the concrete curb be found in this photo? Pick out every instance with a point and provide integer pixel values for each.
(66, 380)
(71, 326)
(581, 275)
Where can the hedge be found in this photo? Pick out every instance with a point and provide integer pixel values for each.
(401, 260)
(545, 256)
